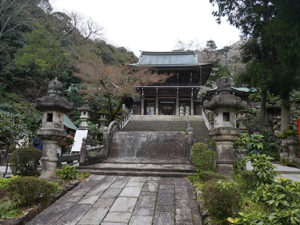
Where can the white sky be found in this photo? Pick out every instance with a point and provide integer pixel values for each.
(153, 25)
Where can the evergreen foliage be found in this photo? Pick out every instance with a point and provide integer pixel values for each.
(24, 161)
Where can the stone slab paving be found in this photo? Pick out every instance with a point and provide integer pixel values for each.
(120, 200)
(284, 171)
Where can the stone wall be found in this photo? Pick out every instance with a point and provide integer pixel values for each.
(273, 117)
(170, 146)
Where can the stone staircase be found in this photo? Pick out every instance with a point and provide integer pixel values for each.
(169, 123)
(152, 146)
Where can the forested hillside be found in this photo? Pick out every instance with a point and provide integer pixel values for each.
(38, 44)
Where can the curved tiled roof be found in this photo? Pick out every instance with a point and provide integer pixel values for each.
(169, 59)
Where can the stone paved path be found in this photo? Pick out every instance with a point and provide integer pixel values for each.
(120, 200)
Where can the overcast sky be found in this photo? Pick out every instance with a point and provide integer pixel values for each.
(153, 25)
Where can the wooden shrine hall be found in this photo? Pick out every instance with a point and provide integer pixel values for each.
(178, 94)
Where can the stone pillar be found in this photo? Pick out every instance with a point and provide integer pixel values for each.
(224, 138)
(83, 152)
(49, 160)
(52, 130)
(225, 106)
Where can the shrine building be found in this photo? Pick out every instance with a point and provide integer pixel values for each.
(178, 94)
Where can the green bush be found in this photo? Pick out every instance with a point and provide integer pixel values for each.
(26, 191)
(263, 169)
(246, 180)
(221, 199)
(203, 157)
(67, 173)
(24, 161)
(209, 175)
(4, 182)
(281, 201)
(265, 143)
(280, 195)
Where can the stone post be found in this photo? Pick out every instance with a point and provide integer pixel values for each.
(225, 106)
(52, 131)
(83, 152)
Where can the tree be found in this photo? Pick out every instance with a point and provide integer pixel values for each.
(39, 61)
(268, 50)
(115, 82)
(283, 34)
(12, 130)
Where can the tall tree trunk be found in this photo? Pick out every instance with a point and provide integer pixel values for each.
(6, 162)
(263, 109)
(285, 111)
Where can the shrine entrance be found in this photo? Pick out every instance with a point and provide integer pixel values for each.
(167, 107)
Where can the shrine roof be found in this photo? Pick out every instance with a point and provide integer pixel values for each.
(169, 59)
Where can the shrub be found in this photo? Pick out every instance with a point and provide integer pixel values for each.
(203, 157)
(26, 191)
(4, 182)
(263, 169)
(221, 199)
(209, 175)
(66, 143)
(280, 195)
(83, 175)
(246, 180)
(67, 173)
(255, 144)
(24, 161)
(281, 201)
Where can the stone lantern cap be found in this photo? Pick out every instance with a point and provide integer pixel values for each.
(85, 107)
(224, 97)
(54, 87)
(53, 101)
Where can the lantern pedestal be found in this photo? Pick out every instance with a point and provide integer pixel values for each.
(224, 139)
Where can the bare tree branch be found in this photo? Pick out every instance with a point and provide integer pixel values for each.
(10, 11)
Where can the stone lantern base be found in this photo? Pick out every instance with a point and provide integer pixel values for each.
(224, 138)
(49, 160)
(50, 138)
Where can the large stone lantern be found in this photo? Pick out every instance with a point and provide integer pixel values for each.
(52, 131)
(85, 110)
(225, 106)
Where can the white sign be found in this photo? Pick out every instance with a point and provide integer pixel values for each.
(79, 135)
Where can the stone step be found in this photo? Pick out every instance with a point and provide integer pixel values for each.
(141, 167)
(135, 173)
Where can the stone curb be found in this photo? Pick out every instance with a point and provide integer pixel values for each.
(32, 212)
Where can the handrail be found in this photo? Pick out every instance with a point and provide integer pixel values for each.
(125, 119)
(206, 121)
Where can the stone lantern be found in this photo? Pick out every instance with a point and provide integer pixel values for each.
(225, 106)
(102, 120)
(52, 131)
(85, 109)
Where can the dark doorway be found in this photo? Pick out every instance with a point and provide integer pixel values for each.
(167, 107)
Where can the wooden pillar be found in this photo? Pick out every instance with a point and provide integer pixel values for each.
(177, 103)
(156, 102)
(142, 103)
(200, 73)
(192, 102)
